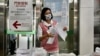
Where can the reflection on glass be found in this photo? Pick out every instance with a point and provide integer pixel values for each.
(1, 26)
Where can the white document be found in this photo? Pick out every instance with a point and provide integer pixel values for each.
(51, 39)
(52, 30)
(59, 30)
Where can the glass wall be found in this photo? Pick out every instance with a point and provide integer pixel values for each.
(2, 5)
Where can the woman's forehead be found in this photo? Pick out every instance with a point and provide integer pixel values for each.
(48, 11)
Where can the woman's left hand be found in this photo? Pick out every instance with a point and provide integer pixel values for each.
(65, 29)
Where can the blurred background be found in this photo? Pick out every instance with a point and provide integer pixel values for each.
(73, 17)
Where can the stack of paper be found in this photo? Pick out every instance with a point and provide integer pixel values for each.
(51, 39)
(39, 52)
(97, 51)
(22, 55)
(59, 30)
(22, 52)
(67, 54)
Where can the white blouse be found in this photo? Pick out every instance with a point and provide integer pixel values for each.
(39, 34)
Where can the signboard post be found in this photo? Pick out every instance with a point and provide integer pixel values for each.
(20, 18)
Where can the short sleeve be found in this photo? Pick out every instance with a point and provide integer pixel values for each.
(39, 33)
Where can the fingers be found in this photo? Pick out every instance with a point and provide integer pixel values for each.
(50, 35)
(65, 29)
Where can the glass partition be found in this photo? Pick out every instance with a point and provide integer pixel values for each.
(2, 6)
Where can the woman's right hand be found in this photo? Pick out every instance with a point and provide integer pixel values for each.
(50, 35)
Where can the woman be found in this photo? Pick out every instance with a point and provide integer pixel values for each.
(44, 33)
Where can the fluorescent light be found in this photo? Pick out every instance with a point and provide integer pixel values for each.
(75, 17)
(2, 4)
(75, 10)
(70, 1)
(38, 1)
(75, 1)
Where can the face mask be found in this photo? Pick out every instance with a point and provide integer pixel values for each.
(48, 17)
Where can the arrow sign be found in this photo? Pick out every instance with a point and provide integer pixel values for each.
(15, 24)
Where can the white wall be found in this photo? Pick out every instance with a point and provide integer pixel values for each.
(86, 26)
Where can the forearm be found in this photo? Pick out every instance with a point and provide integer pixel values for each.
(43, 37)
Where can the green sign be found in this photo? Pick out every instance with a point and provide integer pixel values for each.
(16, 32)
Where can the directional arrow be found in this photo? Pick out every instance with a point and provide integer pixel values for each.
(15, 24)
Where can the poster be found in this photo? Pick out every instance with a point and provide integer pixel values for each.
(60, 10)
(20, 18)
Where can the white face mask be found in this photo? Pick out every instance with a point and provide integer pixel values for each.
(48, 17)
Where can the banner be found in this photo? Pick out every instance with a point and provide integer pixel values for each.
(20, 18)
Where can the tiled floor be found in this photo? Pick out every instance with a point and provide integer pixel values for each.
(12, 55)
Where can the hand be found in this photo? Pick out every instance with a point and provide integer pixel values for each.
(65, 29)
(50, 35)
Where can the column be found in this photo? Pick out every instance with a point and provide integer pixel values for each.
(86, 40)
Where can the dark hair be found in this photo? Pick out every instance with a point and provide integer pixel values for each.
(43, 13)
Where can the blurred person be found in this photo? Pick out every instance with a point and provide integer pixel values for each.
(12, 44)
(45, 25)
